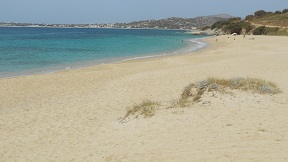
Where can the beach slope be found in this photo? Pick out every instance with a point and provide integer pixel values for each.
(74, 115)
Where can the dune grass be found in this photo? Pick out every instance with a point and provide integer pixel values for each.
(146, 108)
(245, 84)
(193, 93)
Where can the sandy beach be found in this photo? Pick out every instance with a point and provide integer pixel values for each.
(74, 115)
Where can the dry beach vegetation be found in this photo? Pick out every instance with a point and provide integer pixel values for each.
(194, 92)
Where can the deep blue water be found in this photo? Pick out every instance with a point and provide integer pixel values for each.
(34, 50)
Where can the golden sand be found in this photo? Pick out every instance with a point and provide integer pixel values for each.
(73, 115)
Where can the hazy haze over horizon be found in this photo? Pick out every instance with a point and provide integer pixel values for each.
(112, 11)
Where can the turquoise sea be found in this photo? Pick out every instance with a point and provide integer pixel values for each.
(25, 51)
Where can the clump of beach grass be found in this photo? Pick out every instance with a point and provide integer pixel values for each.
(246, 84)
(146, 108)
(194, 91)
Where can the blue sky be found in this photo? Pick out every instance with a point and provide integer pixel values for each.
(111, 11)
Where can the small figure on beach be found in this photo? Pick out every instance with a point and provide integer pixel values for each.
(244, 36)
(216, 39)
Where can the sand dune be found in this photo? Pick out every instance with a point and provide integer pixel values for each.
(73, 115)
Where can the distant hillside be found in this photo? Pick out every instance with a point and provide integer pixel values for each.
(174, 22)
(168, 23)
(269, 23)
(275, 20)
(260, 23)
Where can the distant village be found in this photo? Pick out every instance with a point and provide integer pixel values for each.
(12, 24)
(169, 23)
(122, 25)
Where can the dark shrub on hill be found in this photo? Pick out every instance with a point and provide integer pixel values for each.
(277, 12)
(249, 17)
(233, 28)
(260, 13)
(285, 11)
(234, 19)
(246, 25)
(248, 28)
(262, 30)
(219, 24)
(259, 31)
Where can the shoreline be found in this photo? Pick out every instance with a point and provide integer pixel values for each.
(74, 114)
(84, 64)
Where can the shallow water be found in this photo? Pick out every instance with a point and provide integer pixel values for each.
(35, 50)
